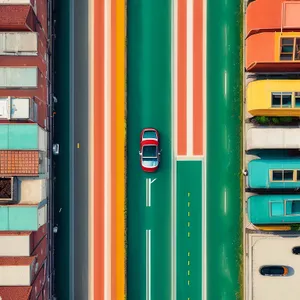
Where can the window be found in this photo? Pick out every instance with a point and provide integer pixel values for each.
(284, 175)
(287, 48)
(297, 99)
(277, 175)
(292, 207)
(285, 99)
(282, 99)
(290, 49)
(288, 175)
(297, 49)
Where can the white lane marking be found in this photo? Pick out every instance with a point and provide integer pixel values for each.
(107, 149)
(189, 76)
(194, 157)
(148, 190)
(174, 120)
(225, 201)
(148, 264)
(204, 97)
(225, 83)
(153, 180)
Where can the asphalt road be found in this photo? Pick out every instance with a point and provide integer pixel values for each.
(71, 127)
(80, 125)
(224, 99)
(149, 105)
(62, 258)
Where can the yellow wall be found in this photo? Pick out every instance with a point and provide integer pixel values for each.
(259, 97)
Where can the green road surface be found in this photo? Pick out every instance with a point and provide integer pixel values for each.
(149, 105)
(189, 230)
(62, 161)
(223, 149)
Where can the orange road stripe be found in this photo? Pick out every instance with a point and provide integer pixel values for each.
(99, 150)
(113, 149)
(181, 61)
(120, 151)
(197, 77)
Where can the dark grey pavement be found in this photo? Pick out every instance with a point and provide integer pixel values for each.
(71, 166)
(80, 124)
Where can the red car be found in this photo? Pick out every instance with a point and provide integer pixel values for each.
(149, 150)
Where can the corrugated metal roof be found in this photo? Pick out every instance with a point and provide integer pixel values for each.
(15, 292)
(14, 77)
(21, 43)
(16, 261)
(19, 163)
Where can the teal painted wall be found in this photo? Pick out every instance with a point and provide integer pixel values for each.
(19, 137)
(259, 173)
(149, 105)
(18, 218)
(259, 209)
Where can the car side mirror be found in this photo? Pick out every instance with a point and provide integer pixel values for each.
(158, 153)
(140, 153)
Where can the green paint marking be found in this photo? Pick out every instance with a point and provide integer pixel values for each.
(223, 149)
(149, 105)
(189, 182)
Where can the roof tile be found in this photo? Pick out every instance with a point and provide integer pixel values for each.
(19, 163)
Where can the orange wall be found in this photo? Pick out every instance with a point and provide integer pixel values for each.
(260, 48)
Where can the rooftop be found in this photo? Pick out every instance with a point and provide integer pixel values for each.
(15, 233)
(19, 163)
(16, 17)
(16, 261)
(15, 292)
(272, 15)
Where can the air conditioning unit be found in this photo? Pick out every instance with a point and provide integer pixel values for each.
(8, 189)
(12, 108)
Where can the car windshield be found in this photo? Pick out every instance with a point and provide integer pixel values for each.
(149, 134)
(276, 270)
(150, 159)
(149, 152)
(296, 250)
